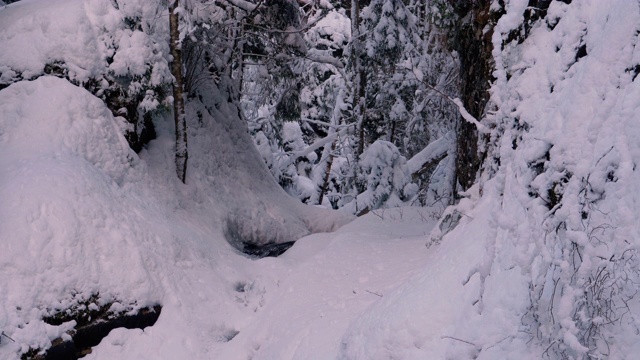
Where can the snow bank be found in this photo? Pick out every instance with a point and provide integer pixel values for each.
(64, 228)
(34, 34)
(256, 209)
(546, 245)
(567, 99)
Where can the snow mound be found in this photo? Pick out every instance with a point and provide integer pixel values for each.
(65, 231)
(50, 117)
(256, 209)
(35, 34)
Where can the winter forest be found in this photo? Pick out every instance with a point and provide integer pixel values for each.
(319, 179)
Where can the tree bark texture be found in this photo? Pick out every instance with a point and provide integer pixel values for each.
(476, 64)
(182, 154)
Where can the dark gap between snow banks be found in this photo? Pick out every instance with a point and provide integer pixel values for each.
(92, 327)
(249, 246)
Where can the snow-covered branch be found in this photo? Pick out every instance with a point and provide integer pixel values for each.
(457, 102)
(324, 59)
(468, 117)
(435, 150)
(316, 145)
(242, 4)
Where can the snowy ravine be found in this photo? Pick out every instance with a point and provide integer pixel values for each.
(538, 260)
(87, 216)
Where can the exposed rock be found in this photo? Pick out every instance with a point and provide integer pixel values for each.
(91, 327)
(268, 250)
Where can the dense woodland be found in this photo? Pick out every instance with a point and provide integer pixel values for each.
(341, 98)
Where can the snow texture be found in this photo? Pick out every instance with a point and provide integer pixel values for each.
(81, 214)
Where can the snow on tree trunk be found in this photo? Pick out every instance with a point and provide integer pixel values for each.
(473, 43)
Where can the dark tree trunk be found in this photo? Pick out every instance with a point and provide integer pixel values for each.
(182, 154)
(361, 106)
(327, 174)
(476, 64)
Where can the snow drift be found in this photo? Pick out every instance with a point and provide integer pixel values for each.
(542, 262)
(65, 208)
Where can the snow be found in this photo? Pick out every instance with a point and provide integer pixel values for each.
(130, 231)
(434, 150)
(385, 174)
(63, 188)
(82, 214)
(116, 228)
(35, 34)
(570, 116)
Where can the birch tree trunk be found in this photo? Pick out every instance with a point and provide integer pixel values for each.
(182, 154)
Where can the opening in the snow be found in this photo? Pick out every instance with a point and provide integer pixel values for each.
(228, 335)
(252, 245)
(93, 323)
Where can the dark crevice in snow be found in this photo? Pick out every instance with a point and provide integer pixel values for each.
(581, 52)
(228, 335)
(252, 243)
(268, 250)
(91, 327)
(634, 70)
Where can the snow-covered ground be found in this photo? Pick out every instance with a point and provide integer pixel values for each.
(81, 214)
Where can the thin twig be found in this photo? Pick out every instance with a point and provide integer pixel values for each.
(464, 341)
(373, 293)
(7, 336)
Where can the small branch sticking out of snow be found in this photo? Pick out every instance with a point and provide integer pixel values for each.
(373, 293)
(453, 338)
(5, 335)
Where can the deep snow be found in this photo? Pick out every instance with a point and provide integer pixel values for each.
(80, 213)
(87, 216)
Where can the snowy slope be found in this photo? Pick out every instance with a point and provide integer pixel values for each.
(81, 214)
(95, 218)
(546, 248)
